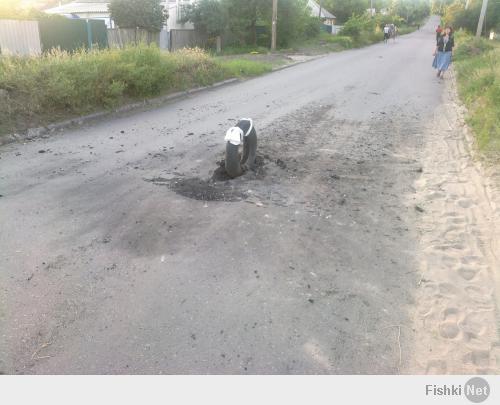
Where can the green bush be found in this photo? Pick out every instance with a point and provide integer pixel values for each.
(478, 73)
(39, 90)
(343, 41)
(472, 47)
(363, 30)
(354, 26)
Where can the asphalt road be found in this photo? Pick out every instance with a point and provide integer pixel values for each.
(121, 253)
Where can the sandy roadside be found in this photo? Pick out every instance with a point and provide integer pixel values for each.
(457, 314)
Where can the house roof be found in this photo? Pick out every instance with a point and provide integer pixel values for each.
(315, 10)
(76, 7)
(96, 6)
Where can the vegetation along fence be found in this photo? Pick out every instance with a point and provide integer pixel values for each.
(121, 37)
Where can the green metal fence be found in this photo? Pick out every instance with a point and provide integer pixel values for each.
(72, 34)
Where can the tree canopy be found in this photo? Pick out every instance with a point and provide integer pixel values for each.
(456, 15)
(146, 14)
(208, 16)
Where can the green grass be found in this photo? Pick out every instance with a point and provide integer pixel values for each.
(244, 68)
(321, 44)
(240, 50)
(477, 63)
(59, 85)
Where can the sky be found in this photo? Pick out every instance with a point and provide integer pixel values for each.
(29, 3)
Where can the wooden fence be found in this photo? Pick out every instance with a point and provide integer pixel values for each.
(19, 38)
(186, 39)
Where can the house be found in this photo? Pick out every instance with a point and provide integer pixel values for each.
(175, 14)
(326, 17)
(98, 10)
(95, 10)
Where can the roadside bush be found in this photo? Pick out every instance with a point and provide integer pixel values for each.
(381, 20)
(478, 73)
(344, 41)
(472, 46)
(39, 90)
(312, 28)
(354, 26)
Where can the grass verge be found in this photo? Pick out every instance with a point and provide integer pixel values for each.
(59, 85)
(477, 63)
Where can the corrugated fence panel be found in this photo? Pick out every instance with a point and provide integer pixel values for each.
(19, 38)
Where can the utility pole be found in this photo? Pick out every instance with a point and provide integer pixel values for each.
(275, 22)
(481, 19)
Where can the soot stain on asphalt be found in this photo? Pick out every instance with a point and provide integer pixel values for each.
(201, 189)
(258, 172)
(219, 187)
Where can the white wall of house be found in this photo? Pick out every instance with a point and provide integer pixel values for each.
(174, 8)
(98, 16)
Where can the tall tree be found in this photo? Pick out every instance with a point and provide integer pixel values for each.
(146, 14)
(344, 9)
(208, 16)
(243, 16)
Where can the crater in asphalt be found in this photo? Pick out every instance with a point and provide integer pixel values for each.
(258, 171)
(200, 189)
(219, 187)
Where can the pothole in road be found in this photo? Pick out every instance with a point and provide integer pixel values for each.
(202, 190)
(257, 173)
(219, 187)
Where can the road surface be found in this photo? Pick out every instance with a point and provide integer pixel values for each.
(123, 249)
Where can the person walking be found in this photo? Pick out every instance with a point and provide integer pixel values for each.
(443, 52)
(439, 30)
(387, 32)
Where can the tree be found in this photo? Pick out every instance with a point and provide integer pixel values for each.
(457, 16)
(208, 17)
(243, 16)
(344, 9)
(294, 21)
(146, 14)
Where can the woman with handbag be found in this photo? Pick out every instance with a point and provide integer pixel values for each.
(443, 51)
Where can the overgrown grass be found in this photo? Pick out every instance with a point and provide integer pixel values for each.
(58, 85)
(478, 73)
(244, 68)
(321, 44)
(239, 50)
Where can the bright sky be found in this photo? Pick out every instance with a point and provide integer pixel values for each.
(23, 3)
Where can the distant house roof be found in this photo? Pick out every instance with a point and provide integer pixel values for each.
(315, 10)
(97, 6)
(77, 7)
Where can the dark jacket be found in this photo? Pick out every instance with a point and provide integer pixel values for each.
(449, 45)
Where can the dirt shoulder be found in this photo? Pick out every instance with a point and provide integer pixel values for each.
(457, 313)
